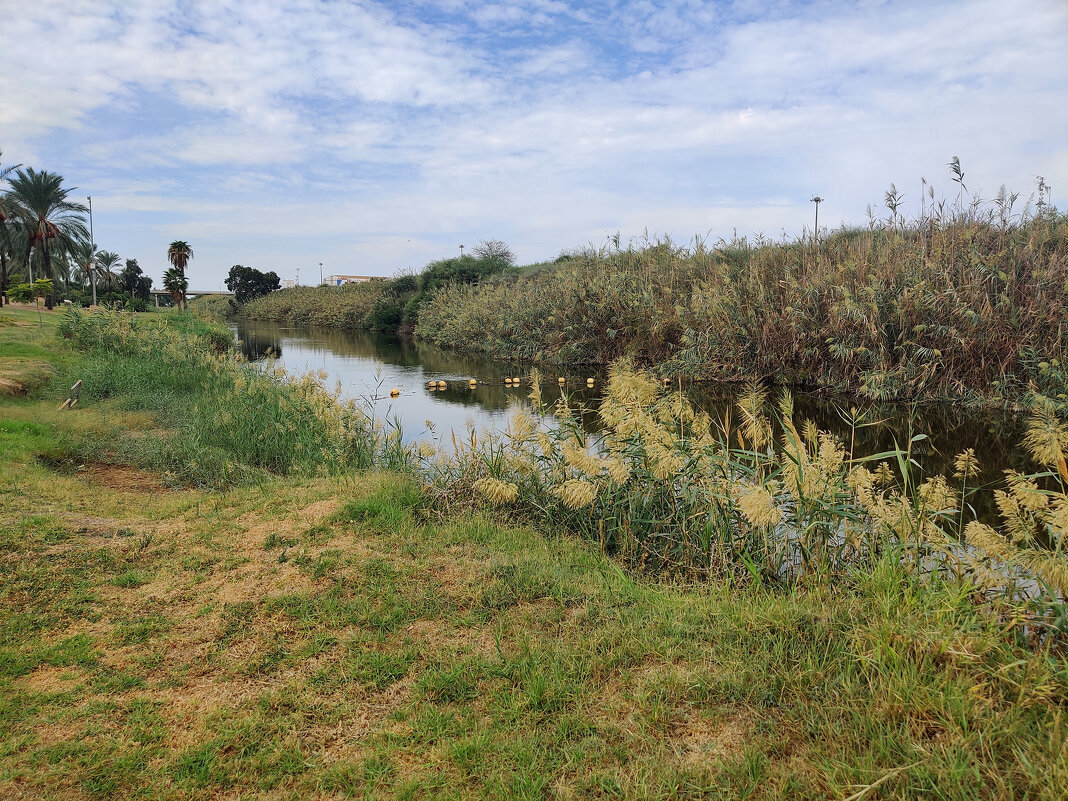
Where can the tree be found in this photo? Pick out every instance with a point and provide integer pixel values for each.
(144, 288)
(178, 254)
(130, 277)
(53, 223)
(5, 233)
(175, 283)
(85, 256)
(24, 293)
(106, 263)
(494, 250)
(248, 283)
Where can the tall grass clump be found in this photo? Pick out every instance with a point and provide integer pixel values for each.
(952, 306)
(671, 490)
(223, 420)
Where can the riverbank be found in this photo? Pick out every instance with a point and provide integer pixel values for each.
(321, 635)
(957, 310)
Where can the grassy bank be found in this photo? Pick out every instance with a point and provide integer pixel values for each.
(385, 304)
(331, 633)
(959, 310)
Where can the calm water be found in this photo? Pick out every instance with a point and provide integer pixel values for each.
(370, 365)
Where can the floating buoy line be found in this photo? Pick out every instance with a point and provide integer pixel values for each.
(509, 381)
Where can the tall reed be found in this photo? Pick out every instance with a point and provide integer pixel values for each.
(956, 307)
(671, 490)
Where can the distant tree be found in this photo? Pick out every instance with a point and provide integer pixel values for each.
(144, 288)
(107, 262)
(177, 284)
(494, 250)
(129, 277)
(24, 293)
(248, 283)
(6, 238)
(178, 254)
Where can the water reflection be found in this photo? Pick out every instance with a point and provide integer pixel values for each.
(369, 365)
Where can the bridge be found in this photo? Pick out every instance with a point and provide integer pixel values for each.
(189, 293)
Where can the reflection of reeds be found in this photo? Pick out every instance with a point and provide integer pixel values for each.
(676, 491)
(941, 306)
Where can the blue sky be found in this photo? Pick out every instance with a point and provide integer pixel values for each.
(374, 137)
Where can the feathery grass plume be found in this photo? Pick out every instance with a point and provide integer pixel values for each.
(755, 423)
(535, 387)
(618, 470)
(1047, 436)
(1019, 522)
(576, 493)
(577, 457)
(862, 482)
(1026, 491)
(521, 426)
(884, 475)
(937, 496)
(1052, 568)
(966, 465)
(758, 507)
(674, 409)
(497, 491)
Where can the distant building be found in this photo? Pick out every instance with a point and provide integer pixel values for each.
(339, 280)
(288, 283)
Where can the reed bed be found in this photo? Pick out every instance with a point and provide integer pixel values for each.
(675, 492)
(232, 422)
(349, 307)
(955, 307)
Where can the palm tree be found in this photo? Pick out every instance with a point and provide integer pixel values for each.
(106, 262)
(179, 253)
(53, 223)
(175, 283)
(84, 255)
(5, 239)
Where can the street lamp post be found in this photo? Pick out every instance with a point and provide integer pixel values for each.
(298, 276)
(320, 273)
(461, 251)
(816, 233)
(92, 242)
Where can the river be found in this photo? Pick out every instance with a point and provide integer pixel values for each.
(368, 366)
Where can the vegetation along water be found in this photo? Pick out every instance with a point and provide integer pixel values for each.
(956, 305)
(223, 580)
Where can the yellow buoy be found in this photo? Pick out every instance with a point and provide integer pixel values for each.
(432, 385)
(442, 385)
(394, 392)
(589, 382)
(516, 381)
(508, 381)
(560, 380)
(472, 383)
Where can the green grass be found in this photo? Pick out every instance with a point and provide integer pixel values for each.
(308, 636)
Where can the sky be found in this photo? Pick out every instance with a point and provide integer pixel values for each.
(374, 137)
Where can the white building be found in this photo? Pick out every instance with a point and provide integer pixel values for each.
(340, 280)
